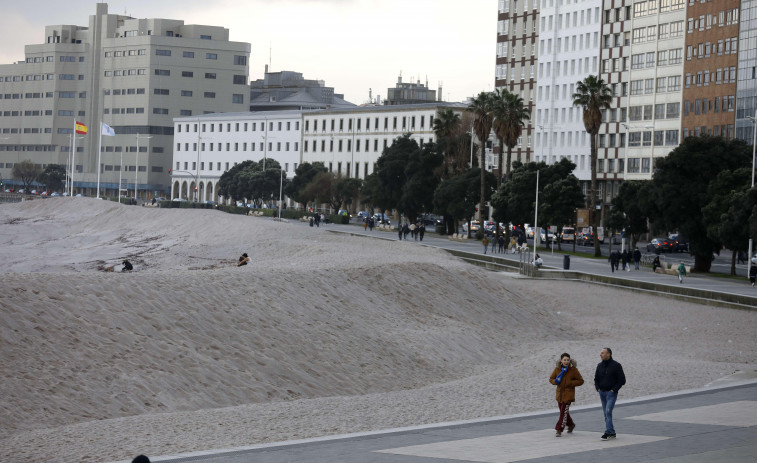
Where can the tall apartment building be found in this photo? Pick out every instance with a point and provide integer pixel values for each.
(517, 56)
(133, 74)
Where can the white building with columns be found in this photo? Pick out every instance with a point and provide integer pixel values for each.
(207, 146)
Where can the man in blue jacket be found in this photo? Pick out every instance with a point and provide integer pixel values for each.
(608, 380)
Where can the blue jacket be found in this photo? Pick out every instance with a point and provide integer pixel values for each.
(609, 376)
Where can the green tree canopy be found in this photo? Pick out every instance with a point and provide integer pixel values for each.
(53, 177)
(681, 189)
(303, 175)
(456, 198)
(631, 208)
(482, 108)
(510, 115)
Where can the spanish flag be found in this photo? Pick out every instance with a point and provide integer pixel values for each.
(80, 128)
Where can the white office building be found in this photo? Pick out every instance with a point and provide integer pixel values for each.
(133, 74)
(207, 146)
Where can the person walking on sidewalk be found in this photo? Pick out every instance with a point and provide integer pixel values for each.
(636, 258)
(485, 242)
(753, 273)
(608, 379)
(681, 272)
(567, 378)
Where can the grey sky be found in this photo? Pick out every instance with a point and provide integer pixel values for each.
(353, 45)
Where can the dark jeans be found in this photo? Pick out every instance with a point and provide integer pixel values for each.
(608, 403)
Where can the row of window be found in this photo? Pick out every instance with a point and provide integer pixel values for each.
(287, 146)
(705, 105)
(724, 18)
(649, 112)
(51, 59)
(649, 7)
(131, 149)
(640, 138)
(718, 76)
(647, 60)
(27, 130)
(406, 121)
(647, 86)
(253, 126)
(635, 166)
(650, 33)
(346, 145)
(725, 130)
(239, 60)
(723, 47)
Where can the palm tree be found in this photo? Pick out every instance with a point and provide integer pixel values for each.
(446, 125)
(593, 95)
(482, 108)
(509, 117)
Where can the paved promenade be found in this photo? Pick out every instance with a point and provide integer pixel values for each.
(713, 424)
(717, 423)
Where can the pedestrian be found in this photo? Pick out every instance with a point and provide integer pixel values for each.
(485, 242)
(681, 272)
(243, 260)
(494, 244)
(501, 243)
(618, 258)
(399, 231)
(405, 230)
(611, 259)
(567, 378)
(753, 273)
(656, 264)
(371, 224)
(513, 244)
(422, 230)
(412, 231)
(537, 261)
(626, 258)
(365, 224)
(608, 379)
(636, 258)
(741, 257)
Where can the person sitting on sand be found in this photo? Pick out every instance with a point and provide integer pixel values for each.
(127, 266)
(243, 260)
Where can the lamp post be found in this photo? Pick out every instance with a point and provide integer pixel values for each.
(136, 171)
(754, 144)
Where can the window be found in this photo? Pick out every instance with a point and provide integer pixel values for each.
(240, 80)
(162, 72)
(237, 98)
(186, 93)
(210, 75)
(187, 74)
(160, 110)
(160, 91)
(160, 52)
(188, 54)
(240, 60)
(210, 94)
(211, 56)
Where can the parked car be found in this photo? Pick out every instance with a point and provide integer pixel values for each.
(567, 234)
(660, 245)
(54, 194)
(475, 226)
(381, 218)
(179, 200)
(584, 239)
(680, 243)
(343, 212)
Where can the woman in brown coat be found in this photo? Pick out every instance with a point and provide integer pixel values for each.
(566, 377)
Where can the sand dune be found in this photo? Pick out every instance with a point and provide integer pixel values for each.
(323, 333)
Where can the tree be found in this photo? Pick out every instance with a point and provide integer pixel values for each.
(681, 189)
(633, 205)
(303, 175)
(421, 181)
(391, 173)
(228, 183)
(456, 197)
(446, 125)
(248, 180)
(729, 210)
(482, 109)
(593, 95)
(27, 172)
(509, 117)
(52, 177)
(560, 196)
(346, 190)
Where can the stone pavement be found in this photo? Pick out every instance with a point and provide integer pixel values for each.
(717, 423)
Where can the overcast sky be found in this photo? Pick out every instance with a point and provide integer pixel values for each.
(353, 45)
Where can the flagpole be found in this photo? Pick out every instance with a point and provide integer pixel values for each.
(73, 159)
(99, 154)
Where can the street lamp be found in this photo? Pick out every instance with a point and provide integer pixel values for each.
(136, 172)
(754, 144)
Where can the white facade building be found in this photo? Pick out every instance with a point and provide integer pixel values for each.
(207, 146)
(350, 141)
(568, 52)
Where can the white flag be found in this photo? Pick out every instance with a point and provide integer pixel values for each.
(108, 130)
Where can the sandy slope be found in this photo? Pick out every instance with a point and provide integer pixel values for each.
(322, 334)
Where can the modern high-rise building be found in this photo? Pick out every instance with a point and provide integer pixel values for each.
(135, 75)
(676, 68)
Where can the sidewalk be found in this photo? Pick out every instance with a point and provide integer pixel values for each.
(589, 266)
(716, 423)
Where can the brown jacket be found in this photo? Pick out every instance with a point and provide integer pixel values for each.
(566, 390)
